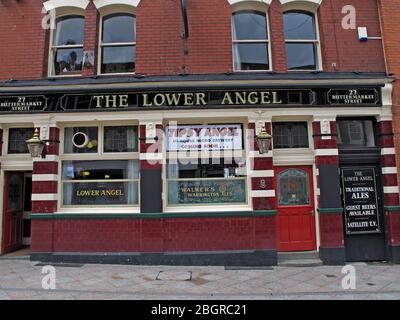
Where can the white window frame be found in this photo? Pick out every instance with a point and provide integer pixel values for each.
(62, 13)
(256, 9)
(316, 42)
(99, 156)
(209, 207)
(106, 12)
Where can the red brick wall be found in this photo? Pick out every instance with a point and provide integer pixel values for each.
(154, 235)
(342, 46)
(160, 48)
(22, 40)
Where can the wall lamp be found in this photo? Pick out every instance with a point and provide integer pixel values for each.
(263, 140)
(36, 146)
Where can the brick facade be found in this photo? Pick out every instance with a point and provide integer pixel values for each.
(162, 51)
(160, 47)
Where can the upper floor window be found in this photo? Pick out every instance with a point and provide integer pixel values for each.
(301, 40)
(118, 43)
(250, 41)
(67, 46)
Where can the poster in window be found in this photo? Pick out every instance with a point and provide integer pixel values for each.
(210, 137)
(361, 209)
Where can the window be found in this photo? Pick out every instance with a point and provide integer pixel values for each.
(100, 182)
(301, 40)
(90, 180)
(250, 41)
(290, 135)
(17, 140)
(358, 133)
(118, 43)
(67, 46)
(293, 188)
(202, 168)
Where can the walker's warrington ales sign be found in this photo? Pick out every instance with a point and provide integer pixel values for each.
(23, 104)
(360, 200)
(207, 191)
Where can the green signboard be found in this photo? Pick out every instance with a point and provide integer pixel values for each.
(206, 191)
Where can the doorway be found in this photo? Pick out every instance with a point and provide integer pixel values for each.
(295, 205)
(17, 207)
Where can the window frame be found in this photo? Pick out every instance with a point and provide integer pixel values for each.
(267, 41)
(316, 42)
(6, 138)
(363, 119)
(309, 135)
(309, 141)
(99, 156)
(102, 45)
(207, 207)
(53, 48)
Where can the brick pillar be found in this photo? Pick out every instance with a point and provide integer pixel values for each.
(390, 190)
(91, 37)
(330, 208)
(152, 230)
(44, 196)
(278, 49)
(262, 190)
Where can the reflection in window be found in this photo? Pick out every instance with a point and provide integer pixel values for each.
(118, 45)
(293, 188)
(67, 45)
(301, 40)
(17, 140)
(113, 182)
(250, 41)
(290, 135)
(356, 133)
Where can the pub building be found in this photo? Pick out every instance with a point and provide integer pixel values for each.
(107, 157)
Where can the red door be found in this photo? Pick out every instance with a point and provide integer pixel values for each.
(295, 204)
(13, 211)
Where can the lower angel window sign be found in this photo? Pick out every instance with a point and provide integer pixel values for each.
(100, 183)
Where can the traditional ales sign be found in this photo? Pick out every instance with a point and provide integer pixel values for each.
(360, 193)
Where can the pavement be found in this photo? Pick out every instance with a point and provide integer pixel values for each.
(22, 279)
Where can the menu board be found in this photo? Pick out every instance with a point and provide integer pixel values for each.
(361, 209)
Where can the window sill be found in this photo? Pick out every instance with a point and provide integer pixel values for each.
(99, 210)
(204, 209)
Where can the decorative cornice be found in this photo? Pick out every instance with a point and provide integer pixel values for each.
(56, 4)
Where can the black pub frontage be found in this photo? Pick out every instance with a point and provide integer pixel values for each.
(170, 170)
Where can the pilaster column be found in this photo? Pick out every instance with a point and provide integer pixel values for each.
(390, 189)
(262, 190)
(330, 208)
(261, 170)
(45, 191)
(91, 37)
(151, 158)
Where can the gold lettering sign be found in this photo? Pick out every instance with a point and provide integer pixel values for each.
(100, 193)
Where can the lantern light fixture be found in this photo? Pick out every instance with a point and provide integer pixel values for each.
(263, 140)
